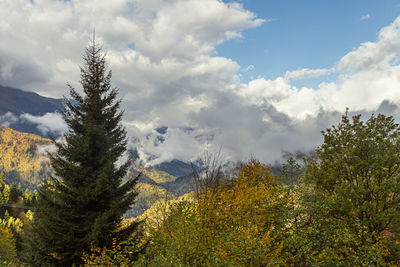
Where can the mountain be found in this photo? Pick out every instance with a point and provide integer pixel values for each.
(18, 102)
(160, 182)
(175, 168)
(181, 185)
(15, 102)
(21, 159)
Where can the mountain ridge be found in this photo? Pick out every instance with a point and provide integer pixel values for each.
(18, 102)
(14, 103)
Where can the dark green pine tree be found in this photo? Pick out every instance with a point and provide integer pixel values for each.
(84, 203)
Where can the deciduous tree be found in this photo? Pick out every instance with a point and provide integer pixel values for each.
(352, 205)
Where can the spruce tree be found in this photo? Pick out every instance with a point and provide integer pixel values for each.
(83, 203)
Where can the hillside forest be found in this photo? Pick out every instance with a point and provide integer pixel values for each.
(338, 206)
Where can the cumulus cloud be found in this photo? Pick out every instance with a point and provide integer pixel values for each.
(167, 36)
(19, 71)
(164, 60)
(377, 55)
(368, 82)
(367, 76)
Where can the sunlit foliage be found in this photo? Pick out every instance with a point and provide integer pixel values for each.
(236, 223)
(19, 156)
(349, 207)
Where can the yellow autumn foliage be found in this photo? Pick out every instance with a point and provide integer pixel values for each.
(158, 176)
(106, 257)
(236, 223)
(242, 217)
(233, 224)
(19, 155)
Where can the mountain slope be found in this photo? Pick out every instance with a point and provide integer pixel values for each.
(181, 185)
(20, 158)
(175, 168)
(18, 102)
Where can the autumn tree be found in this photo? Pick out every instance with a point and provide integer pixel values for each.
(232, 223)
(82, 205)
(244, 216)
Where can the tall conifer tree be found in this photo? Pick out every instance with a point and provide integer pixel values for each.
(83, 204)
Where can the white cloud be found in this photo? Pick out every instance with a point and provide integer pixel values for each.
(8, 119)
(42, 150)
(367, 76)
(307, 73)
(173, 76)
(374, 55)
(365, 17)
(166, 35)
(48, 123)
(172, 71)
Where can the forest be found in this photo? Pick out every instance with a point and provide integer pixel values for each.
(338, 206)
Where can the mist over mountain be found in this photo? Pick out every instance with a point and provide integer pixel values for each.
(30, 112)
(23, 160)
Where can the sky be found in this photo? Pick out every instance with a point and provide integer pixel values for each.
(306, 34)
(254, 78)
